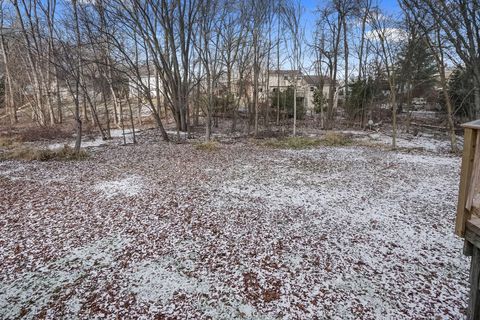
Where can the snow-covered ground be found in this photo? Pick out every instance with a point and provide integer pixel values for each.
(115, 134)
(244, 232)
(423, 141)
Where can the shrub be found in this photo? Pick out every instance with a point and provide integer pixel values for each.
(319, 101)
(359, 98)
(68, 153)
(332, 138)
(460, 89)
(286, 102)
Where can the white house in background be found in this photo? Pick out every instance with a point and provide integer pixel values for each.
(148, 80)
(306, 85)
(277, 80)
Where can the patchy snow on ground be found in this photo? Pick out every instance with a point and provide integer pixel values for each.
(85, 144)
(115, 134)
(27, 295)
(10, 170)
(129, 186)
(167, 231)
(423, 141)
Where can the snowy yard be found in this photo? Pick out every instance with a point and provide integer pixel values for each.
(248, 232)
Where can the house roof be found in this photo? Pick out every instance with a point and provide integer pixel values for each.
(309, 79)
(285, 72)
(315, 80)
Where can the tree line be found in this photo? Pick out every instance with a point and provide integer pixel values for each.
(71, 59)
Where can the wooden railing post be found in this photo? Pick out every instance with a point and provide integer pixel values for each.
(467, 222)
(469, 145)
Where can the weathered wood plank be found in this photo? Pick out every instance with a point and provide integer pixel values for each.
(475, 177)
(473, 224)
(472, 235)
(475, 124)
(472, 238)
(474, 302)
(469, 146)
(467, 246)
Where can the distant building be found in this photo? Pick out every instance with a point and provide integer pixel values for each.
(277, 80)
(147, 82)
(306, 85)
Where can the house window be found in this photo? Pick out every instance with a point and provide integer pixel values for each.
(285, 77)
(274, 89)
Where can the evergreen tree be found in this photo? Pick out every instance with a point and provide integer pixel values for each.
(361, 94)
(286, 102)
(417, 69)
(460, 87)
(319, 101)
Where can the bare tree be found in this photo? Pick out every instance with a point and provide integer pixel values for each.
(293, 13)
(10, 99)
(167, 28)
(235, 33)
(260, 13)
(208, 46)
(331, 20)
(432, 35)
(384, 31)
(459, 22)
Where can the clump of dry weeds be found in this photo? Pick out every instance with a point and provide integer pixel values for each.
(207, 146)
(30, 154)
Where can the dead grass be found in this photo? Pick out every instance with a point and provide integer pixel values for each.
(207, 146)
(43, 133)
(293, 143)
(387, 147)
(8, 142)
(30, 154)
(332, 138)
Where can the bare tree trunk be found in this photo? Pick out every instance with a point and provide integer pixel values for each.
(295, 108)
(394, 114)
(333, 78)
(31, 61)
(132, 123)
(256, 69)
(208, 125)
(78, 120)
(50, 13)
(197, 104)
(362, 40)
(346, 53)
(58, 96)
(9, 97)
(107, 113)
(278, 68)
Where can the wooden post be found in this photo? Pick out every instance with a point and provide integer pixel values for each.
(469, 146)
(467, 222)
(472, 247)
(474, 303)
